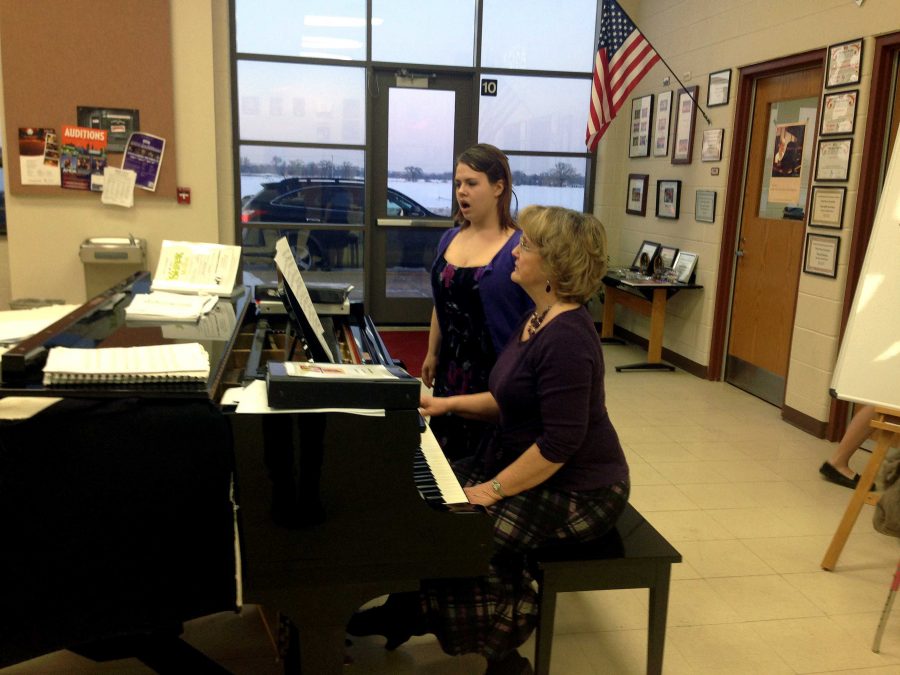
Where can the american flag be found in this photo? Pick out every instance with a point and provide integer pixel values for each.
(623, 57)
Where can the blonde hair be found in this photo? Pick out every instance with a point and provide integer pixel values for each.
(572, 247)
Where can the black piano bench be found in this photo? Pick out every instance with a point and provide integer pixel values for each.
(631, 555)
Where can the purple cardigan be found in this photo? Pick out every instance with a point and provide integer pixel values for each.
(504, 301)
(550, 392)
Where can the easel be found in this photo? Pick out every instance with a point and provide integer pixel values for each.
(887, 425)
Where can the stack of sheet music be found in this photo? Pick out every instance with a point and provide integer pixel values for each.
(164, 306)
(186, 362)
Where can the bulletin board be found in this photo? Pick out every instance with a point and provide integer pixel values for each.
(61, 54)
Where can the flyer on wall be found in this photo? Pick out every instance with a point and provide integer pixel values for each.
(39, 156)
(143, 155)
(82, 158)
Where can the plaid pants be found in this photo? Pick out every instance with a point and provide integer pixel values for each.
(496, 613)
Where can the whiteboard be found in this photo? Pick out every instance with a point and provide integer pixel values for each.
(868, 365)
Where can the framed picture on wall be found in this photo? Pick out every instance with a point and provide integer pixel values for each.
(827, 206)
(844, 63)
(821, 254)
(718, 88)
(705, 206)
(839, 113)
(636, 200)
(711, 147)
(833, 159)
(685, 118)
(641, 115)
(663, 122)
(668, 199)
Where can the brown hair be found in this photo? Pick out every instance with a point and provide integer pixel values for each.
(572, 247)
(490, 161)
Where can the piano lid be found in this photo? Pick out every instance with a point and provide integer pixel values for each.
(101, 322)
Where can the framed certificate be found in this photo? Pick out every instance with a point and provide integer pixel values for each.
(827, 206)
(844, 64)
(685, 117)
(821, 254)
(833, 159)
(718, 88)
(641, 115)
(684, 266)
(636, 199)
(839, 113)
(705, 206)
(711, 147)
(663, 122)
(668, 199)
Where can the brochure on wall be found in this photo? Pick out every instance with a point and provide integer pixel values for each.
(39, 156)
(118, 186)
(144, 155)
(82, 158)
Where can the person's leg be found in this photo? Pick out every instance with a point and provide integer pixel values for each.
(857, 431)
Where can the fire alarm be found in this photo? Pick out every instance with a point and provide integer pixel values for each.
(184, 195)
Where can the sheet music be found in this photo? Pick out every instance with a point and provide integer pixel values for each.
(192, 267)
(287, 265)
(254, 399)
(155, 363)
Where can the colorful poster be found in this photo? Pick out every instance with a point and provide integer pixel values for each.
(143, 155)
(39, 156)
(82, 158)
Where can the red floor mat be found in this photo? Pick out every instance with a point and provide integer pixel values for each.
(408, 346)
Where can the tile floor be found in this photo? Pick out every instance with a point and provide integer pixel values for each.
(737, 491)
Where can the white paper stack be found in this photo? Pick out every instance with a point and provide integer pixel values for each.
(164, 306)
(187, 362)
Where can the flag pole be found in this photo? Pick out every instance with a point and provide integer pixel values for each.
(677, 79)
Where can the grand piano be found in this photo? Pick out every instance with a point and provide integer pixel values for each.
(127, 510)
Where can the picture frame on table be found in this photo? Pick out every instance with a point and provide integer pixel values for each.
(833, 159)
(667, 255)
(663, 122)
(826, 207)
(668, 199)
(719, 88)
(821, 256)
(839, 113)
(711, 146)
(705, 206)
(648, 249)
(685, 119)
(641, 118)
(844, 63)
(636, 199)
(685, 264)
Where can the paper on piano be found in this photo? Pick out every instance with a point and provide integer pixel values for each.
(18, 324)
(188, 362)
(191, 267)
(165, 306)
(287, 265)
(254, 399)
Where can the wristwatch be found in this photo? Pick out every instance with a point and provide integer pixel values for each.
(498, 489)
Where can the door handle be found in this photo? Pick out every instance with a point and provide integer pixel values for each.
(739, 253)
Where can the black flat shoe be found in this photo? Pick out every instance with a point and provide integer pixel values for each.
(397, 620)
(834, 476)
(512, 663)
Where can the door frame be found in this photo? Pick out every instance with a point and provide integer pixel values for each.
(734, 194)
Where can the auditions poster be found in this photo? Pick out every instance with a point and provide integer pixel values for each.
(82, 158)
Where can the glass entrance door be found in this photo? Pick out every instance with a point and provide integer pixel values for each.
(421, 121)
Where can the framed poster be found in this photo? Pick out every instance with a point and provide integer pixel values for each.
(844, 63)
(661, 129)
(645, 256)
(827, 206)
(684, 266)
(685, 117)
(641, 114)
(711, 147)
(705, 206)
(821, 254)
(833, 160)
(717, 90)
(668, 199)
(636, 199)
(839, 113)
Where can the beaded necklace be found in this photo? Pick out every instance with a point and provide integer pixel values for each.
(536, 320)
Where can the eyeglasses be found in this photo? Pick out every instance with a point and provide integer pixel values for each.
(527, 246)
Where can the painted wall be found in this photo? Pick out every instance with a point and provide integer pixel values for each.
(697, 37)
(45, 232)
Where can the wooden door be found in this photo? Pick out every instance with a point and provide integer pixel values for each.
(771, 237)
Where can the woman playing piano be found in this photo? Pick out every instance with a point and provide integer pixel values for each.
(476, 306)
(553, 471)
